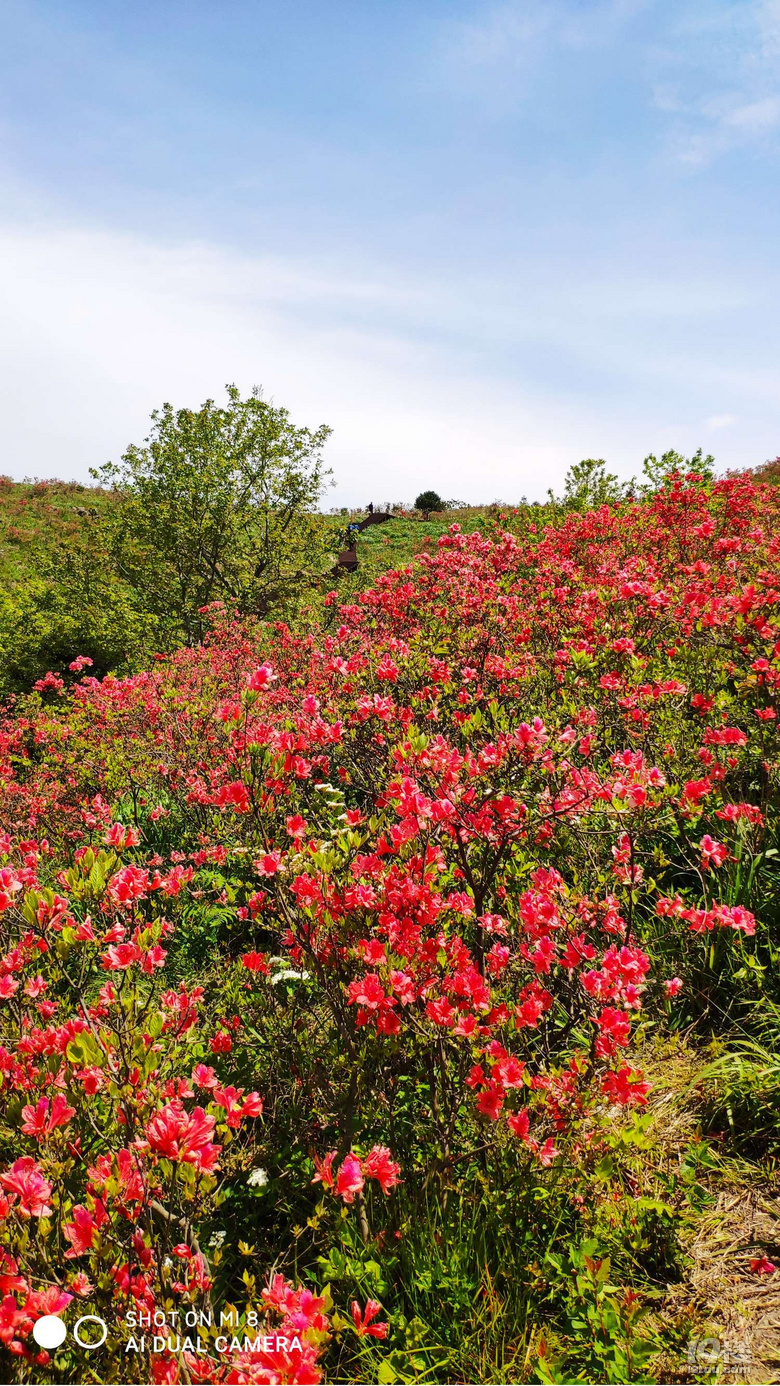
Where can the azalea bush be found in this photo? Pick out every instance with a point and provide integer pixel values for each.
(331, 954)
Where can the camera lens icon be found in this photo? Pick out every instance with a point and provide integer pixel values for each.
(50, 1332)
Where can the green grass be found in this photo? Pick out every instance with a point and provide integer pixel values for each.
(394, 544)
(37, 516)
(33, 515)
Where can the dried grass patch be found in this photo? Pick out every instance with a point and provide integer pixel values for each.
(719, 1298)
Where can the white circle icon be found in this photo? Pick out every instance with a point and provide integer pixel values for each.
(84, 1342)
(49, 1331)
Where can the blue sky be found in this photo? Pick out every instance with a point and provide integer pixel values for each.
(480, 240)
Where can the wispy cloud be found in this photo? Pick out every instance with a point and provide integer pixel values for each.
(710, 68)
(718, 79)
(476, 388)
(108, 326)
(725, 125)
(497, 54)
(757, 117)
(461, 243)
(503, 33)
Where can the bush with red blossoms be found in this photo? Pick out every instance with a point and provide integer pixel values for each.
(307, 933)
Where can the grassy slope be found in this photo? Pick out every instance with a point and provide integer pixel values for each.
(393, 544)
(31, 513)
(737, 1207)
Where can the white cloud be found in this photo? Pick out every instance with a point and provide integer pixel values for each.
(731, 124)
(100, 328)
(494, 56)
(768, 15)
(757, 117)
(505, 32)
(712, 71)
(720, 421)
(718, 79)
(425, 381)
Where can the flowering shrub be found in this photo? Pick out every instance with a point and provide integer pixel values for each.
(370, 919)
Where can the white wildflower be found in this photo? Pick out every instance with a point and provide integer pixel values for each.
(289, 975)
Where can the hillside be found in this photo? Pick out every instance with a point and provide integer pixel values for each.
(63, 593)
(36, 516)
(409, 987)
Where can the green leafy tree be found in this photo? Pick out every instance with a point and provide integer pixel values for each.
(429, 500)
(658, 471)
(217, 505)
(588, 485)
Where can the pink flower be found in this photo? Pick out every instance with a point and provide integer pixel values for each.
(25, 1179)
(204, 1077)
(673, 985)
(368, 992)
(380, 1165)
(441, 1012)
(164, 1371)
(349, 1180)
(324, 1169)
(80, 1232)
(760, 1265)
(183, 1136)
(491, 1100)
(518, 1123)
(117, 836)
(625, 1087)
(279, 1293)
(254, 962)
(129, 884)
(269, 864)
(10, 885)
(39, 1121)
(121, 956)
(252, 1105)
(363, 1325)
(497, 958)
(49, 680)
(262, 677)
(235, 795)
(547, 1153)
(615, 1024)
(510, 1071)
(712, 853)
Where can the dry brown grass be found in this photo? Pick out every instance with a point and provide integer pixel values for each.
(719, 1297)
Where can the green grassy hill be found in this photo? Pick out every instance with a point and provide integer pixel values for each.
(35, 514)
(393, 544)
(60, 596)
(36, 517)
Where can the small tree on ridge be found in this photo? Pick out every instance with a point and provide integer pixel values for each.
(217, 506)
